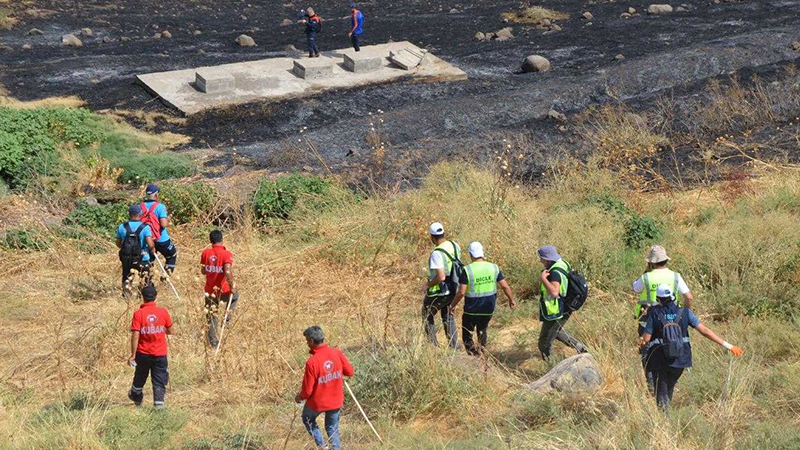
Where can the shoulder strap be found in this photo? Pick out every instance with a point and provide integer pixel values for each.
(446, 253)
(455, 249)
(139, 231)
(127, 227)
(680, 316)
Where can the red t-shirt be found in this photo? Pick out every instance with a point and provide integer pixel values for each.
(213, 259)
(322, 383)
(151, 322)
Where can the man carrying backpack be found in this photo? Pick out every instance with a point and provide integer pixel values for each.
(479, 286)
(154, 214)
(656, 273)
(553, 313)
(444, 268)
(666, 341)
(135, 242)
(357, 26)
(313, 26)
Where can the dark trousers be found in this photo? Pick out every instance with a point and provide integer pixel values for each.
(156, 366)
(665, 385)
(143, 267)
(354, 41)
(211, 316)
(554, 329)
(648, 374)
(170, 253)
(312, 45)
(433, 305)
(480, 324)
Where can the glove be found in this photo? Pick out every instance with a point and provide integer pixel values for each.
(737, 351)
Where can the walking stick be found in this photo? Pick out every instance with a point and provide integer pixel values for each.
(168, 280)
(291, 425)
(224, 320)
(362, 411)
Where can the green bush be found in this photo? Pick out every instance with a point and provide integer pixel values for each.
(241, 441)
(24, 239)
(102, 219)
(187, 203)
(278, 199)
(145, 168)
(639, 230)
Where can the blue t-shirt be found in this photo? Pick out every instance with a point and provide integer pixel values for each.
(161, 213)
(482, 306)
(135, 224)
(357, 23)
(657, 360)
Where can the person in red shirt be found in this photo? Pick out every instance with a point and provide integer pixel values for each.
(216, 263)
(322, 387)
(149, 329)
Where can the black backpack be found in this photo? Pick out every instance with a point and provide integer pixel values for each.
(577, 289)
(131, 251)
(457, 272)
(672, 336)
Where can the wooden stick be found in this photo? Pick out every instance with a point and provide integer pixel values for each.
(224, 320)
(291, 427)
(362, 411)
(168, 278)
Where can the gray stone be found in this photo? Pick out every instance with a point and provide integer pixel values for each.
(313, 68)
(358, 63)
(91, 201)
(546, 22)
(286, 23)
(124, 39)
(795, 46)
(107, 39)
(574, 375)
(27, 46)
(619, 57)
(35, 32)
(625, 15)
(659, 9)
(680, 9)
(535, 63)
(197, 32)
(157, 36)
(166, 34)
(245, 41)
(504, 34)
(291, 48)
(631, 10)
(86, 32)
(480, 36)
(70, 40)
(553, 114)
(406, 58)
(555, 27)
(587, 15)
(214, 81)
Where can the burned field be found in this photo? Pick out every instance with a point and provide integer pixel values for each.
(616, 55)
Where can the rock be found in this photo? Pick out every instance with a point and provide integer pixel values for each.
(245, 41)
(201, 52)
(197, 32)
(625, 16)
(286, 23)
(454, 11)
(504, 34)
(291, 48)
(91, 201)
(680, 9)
(636, 120)
(35, 32)
(553, 114)
(166, 34)
(659, 9)
(587, 15)
(124, 39)
(157, 36)
(70, 40)
(546, 22)
(795, 46)
(243, 17)
(155, 26)
(86, 32)
(107, 40)
(555, 27)
(574, 375)
(480, 36)
(27, 46)
(535, 63)
(619, 57)
(631, 10)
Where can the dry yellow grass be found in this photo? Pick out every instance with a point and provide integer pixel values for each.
(534, 14)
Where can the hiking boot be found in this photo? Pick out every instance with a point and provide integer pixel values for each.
(136, 399)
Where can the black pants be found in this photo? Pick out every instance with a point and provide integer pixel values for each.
(212, 314)
(433, 305)
(354, 41)
(665, 385)
(554, 329)
(469, 323)
(312, 45)
(170, 253)
(156, 366)
(649, 375)
(143, 267)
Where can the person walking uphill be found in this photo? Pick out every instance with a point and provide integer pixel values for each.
(666, 340)
(655, 274)
(149, 329)
(552, 311)
(357, 26)
(154, 215)
(216, 263)
(313, 26)
(135, 243)
(444, 271)
(322, 387)
(479, 287)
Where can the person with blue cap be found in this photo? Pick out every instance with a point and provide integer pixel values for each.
(552, 312)
(135, 242)
(666, 342)
(154, 215)
(357, 26)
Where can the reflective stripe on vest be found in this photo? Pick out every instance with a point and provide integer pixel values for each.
(481, 279)
(651, 281)
(449, 247)
(551, 307)
(661, 341)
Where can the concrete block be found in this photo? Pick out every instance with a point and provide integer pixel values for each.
(359, 63)
(212, 82)
(407, 58)
(313, 68)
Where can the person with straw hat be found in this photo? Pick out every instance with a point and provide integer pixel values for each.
(656, 273)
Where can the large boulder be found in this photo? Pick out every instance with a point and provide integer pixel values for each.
(573, 375)
(535, 63)
(245, 41)
(659, 9)
(70, 40)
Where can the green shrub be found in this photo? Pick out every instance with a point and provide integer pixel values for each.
(278, 199)
(102, 219)
(141, 429)
(535, 410)
(24, 239)
(241, 441)
(187, 203)
(639, 230)
(145, 168)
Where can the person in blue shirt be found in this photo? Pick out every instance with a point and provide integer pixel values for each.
(155, 215)
(668, 369)
(135, 241)
(357, 26)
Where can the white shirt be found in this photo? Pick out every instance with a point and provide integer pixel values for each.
(683, 288)
(436, 260)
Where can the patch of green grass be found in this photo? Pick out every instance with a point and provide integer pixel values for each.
(143, 429)
(187, 203)
(103, 219)
(24, 239)
(293, 196)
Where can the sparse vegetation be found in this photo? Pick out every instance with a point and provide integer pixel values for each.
(534, 14)
(7, 21)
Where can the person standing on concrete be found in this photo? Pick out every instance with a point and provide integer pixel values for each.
(479, 287)
(666, 334)
(552, 312)
(357, 26)
(323, 388)
(313, 26)
(444, 271)
(149, 329)
(154, 214)
(656, 273)
(135, 243)
(216, 263)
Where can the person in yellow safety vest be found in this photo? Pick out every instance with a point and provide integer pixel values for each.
(479, 286)
(444, 266)
(655, 275)
(552, 312)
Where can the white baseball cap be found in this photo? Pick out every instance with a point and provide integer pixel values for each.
(436, 229)
(476, 250)
(664, 291)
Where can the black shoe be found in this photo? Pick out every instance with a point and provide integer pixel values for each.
(137, 400)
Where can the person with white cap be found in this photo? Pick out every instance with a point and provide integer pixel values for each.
(444, 271)
(552, 312)
(479, 287)
(666, 342)
(656, 273)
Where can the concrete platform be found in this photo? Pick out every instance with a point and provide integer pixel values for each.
(211, 81)
(359, 63)
(275, 79)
